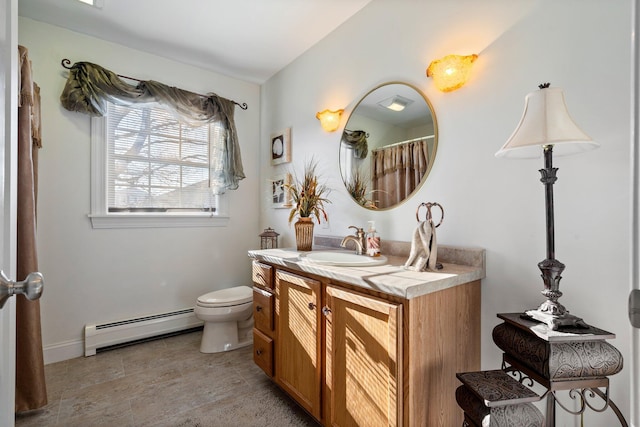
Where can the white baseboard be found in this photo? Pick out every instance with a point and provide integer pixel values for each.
(77, 348)
(63, 351)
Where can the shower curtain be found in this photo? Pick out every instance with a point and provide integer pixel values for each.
(398, 170)
(30, 383)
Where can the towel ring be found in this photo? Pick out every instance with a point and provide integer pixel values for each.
(428, 215)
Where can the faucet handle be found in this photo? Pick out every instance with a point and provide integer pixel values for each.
(359, 230)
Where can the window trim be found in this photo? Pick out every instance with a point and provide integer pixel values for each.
(101, 218)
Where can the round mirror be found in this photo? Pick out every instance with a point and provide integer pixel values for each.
(388, 146)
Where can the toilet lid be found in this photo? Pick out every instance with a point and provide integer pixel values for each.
(226, 297)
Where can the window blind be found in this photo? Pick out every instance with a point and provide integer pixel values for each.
(157, 164)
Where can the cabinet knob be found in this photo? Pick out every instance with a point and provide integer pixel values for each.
(311, 306)
(258, 308)
(259, 352)
(326, 310)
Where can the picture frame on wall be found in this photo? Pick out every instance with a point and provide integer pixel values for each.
(280, 197)
(281, 147)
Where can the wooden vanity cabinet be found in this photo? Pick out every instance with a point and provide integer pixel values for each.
(356, 357)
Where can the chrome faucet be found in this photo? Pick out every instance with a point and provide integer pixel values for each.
(358, 238)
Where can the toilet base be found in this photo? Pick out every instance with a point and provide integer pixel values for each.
(218, 337)
(227, 347)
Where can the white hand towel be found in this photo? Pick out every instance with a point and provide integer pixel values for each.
(423, 252)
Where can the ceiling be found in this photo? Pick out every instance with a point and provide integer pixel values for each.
(247, 39)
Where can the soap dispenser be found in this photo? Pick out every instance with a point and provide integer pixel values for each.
(373, 240)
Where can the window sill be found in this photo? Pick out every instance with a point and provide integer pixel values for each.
(144, 220)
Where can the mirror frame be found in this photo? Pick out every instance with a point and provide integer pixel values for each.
(434, 150)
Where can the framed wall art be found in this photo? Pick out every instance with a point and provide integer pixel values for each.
(281, 147)
(280, 197)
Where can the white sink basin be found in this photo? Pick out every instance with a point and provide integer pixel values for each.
(341, 259)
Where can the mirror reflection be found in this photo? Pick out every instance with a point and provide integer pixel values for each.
(388, 146)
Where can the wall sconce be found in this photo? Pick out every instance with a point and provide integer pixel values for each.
(451, 72)
(329, 120)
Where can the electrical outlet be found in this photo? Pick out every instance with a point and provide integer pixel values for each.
(324, 224)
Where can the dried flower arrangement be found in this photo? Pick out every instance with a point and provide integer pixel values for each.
(308, 195)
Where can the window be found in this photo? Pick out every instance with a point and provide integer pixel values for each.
(150, 170)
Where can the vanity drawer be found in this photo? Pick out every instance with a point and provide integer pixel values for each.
(262, 275)
(263, 303)
(263, 352)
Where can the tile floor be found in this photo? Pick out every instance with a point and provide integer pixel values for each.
(166, 382)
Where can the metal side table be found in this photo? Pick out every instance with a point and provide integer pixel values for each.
(577, 360)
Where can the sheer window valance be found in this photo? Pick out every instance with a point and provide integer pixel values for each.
(90, 87)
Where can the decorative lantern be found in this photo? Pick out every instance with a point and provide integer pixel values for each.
(269, 239)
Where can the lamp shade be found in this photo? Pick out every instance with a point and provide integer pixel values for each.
(451, 72)
(329, 120)
(546, 121)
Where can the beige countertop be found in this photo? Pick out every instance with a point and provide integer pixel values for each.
(460, 265)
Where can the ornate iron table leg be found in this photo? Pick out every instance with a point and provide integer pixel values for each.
(550, 417)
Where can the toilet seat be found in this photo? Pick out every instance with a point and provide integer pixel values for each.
(226, 297)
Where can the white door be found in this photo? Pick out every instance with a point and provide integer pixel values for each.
(635, 244)
(8, 138)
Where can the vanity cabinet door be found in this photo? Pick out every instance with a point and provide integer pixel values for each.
(298, 344)
(363, 359)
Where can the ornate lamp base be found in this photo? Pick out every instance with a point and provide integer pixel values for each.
(554, 321)
(551, 312)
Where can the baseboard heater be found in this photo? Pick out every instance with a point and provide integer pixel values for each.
(99, 336)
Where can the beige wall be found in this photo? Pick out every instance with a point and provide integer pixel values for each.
(582, 46)
(103, 275)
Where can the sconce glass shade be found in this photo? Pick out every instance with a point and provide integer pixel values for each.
(451, 72)
(546, 121)
(329, 120)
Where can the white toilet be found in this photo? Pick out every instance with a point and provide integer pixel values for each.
(228, 319)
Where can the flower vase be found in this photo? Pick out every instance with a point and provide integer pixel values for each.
(304, 233)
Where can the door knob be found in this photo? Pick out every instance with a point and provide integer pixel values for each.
(31, 287)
